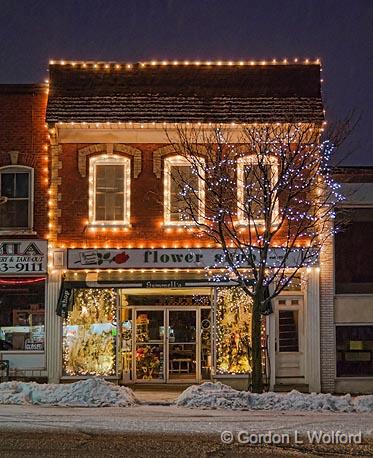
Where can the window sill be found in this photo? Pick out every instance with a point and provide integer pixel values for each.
(353, 377)
(173, 224)
(108, 225)
(17, 232)
(253, 223)
(22, 352)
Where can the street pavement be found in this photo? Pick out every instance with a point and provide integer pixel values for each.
(164, 430)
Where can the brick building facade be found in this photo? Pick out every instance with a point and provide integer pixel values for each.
(124, 263)
(24, 182)
(124, 116)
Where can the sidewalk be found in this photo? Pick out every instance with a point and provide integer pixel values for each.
(158, 395)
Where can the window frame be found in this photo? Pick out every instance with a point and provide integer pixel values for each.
(250, 159)
(13, 351)
(354, 325)
(30, 216)
(173, 161)
(109, 159)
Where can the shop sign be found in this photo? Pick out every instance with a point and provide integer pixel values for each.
(23, 257)
(31, 345)
(65, 300)
(177, 258)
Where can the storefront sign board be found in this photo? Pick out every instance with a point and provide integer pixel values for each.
(23, 257)
(182, 258)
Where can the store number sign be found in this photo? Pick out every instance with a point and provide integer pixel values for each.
(23, 257)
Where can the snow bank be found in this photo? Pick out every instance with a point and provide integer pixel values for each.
(218, 396)
(93, 392)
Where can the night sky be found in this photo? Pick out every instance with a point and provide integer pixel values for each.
(340, 32)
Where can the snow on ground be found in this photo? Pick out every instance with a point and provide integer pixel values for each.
(93, 392)
(219, 396)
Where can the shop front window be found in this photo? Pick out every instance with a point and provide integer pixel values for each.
(233, 321)
(89, 333)
(22, 314)
(354, 351)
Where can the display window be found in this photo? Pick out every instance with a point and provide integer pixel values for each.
(233, 327)
(22, 314)
(354, 351)
(89, 333)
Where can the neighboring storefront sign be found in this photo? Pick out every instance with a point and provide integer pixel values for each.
(23, 257)
(177, 258)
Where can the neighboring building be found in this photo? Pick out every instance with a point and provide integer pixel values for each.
(141, 307)
(24, 184)
(353, 315)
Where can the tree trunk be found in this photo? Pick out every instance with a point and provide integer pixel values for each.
(256, 352)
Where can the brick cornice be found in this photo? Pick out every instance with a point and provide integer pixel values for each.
(83, 153)
(167, 150)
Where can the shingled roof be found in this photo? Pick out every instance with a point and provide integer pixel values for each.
(217, 94)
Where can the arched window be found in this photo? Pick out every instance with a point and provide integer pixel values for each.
(184, 192)
(16, 203)
(252, 178)
(109, 190)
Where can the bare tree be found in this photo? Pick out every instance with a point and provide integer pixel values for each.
(265, 195)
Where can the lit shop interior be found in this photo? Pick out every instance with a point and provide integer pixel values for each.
(157, 334)
(22, 314)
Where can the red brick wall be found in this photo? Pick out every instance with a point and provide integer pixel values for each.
(22, 129)
(146, 207)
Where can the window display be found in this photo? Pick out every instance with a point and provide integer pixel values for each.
(354, 351)
(22, 314)
(89, 333)
(233, 323)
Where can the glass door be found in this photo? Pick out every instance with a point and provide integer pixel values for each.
(150, 345)
(182, 345)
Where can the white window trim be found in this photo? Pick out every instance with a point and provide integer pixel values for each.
(247, 160)
(30, 171)
(109, 159)
(180, 161)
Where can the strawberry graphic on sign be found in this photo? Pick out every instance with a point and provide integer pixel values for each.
(120, 258)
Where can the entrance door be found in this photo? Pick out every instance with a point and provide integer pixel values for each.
(149, 348)
(289, 341)
(182, 345)
(166, 346)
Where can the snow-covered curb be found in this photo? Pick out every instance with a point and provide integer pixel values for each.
(219, 396)
(93, 392)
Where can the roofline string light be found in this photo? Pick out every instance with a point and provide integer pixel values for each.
(100, 65)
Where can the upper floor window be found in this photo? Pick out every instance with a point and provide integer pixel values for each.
(183, 191)
(252, 181)
(109, 196)
(16, 187)
(354, 251)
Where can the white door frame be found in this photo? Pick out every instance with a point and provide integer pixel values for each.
(165, 343)
(299, 307)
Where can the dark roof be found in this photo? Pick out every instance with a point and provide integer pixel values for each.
(260, 93)
(13, 89)
(353, 174)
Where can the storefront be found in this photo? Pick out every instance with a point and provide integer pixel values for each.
(170, 325)
(23, 267)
